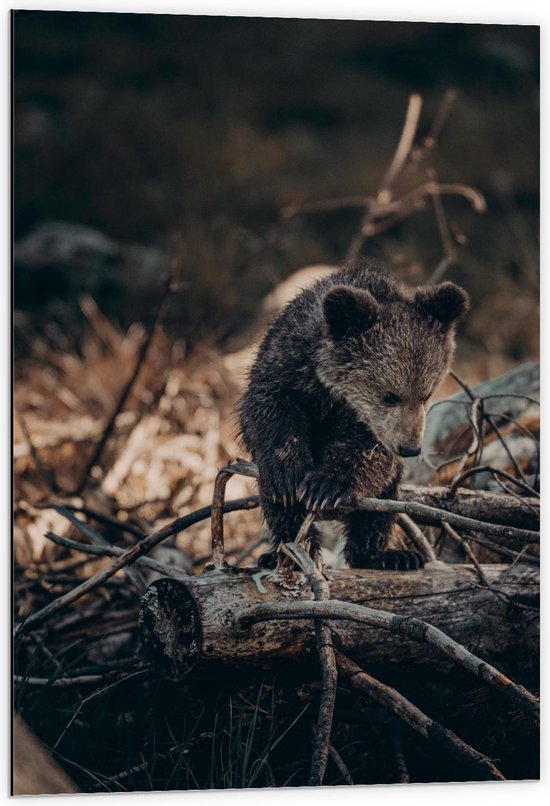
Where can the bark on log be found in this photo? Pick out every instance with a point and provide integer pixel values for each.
(183, 623)
(480, 505)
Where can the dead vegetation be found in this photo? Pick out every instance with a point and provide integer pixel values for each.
(117, 457)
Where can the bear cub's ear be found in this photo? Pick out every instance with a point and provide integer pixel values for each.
(445, 302)
(348, 310)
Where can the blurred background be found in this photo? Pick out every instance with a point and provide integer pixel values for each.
(179, 136)
(149, 147)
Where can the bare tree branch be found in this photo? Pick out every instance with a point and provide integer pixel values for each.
(418, 721)
(128, 557)
(413, 628)
(323, 640)
(417, 536)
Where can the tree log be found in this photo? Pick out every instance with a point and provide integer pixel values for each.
(197, 620)
(480, 505)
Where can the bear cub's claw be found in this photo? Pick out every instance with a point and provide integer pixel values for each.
(279, 482)
(320, 490)
(402, 560)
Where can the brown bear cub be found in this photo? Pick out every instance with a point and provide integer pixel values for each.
(337, 395)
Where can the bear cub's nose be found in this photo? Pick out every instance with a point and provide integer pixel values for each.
(409, 450)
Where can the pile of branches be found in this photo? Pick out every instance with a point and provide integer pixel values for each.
(220, 615)
(142, 616)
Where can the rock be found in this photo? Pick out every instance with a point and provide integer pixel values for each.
(59, 261)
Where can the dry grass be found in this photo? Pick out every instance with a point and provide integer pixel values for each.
(178, 428)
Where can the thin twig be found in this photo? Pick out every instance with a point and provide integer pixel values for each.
(339, 763)
(468, 552)
(218, 559)
(403, 149)
(96, 537)
(130, 556)
(416, 199)
(417, 536)
(47, 652)
(240, 467)
(418, 721)
(474, 417)
(100, 517)
(47, 475)
(480, 572)
(323, 639)
(462, 383)
(128, 386)
(397, 747)
(495, 471)
(469, 391)
(504, 550)
(506, 489)
(396, 166)
(435, 277)
(449, 248)
(99, 693)
(430, 141)
(115, 551)
(521, 427)
(504, 444)
(59, 682)
(527, 431)
(381, 211)
(475, 198)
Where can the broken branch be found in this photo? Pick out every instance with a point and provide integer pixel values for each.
(413, 628)
(418, 721)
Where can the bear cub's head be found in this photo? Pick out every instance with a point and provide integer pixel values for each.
(386, 355)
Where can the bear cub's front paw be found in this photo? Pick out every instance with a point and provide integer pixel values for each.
(279, 481)
(321, 490)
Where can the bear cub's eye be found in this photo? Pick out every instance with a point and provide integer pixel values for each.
(390, 399)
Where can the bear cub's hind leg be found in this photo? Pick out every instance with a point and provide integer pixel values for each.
(367, 537)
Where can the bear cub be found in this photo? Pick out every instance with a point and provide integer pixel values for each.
(337, 395)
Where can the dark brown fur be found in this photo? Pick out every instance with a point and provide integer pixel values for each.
(338, 393)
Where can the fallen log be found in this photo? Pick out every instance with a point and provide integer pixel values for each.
(198, 620)
(490, 507)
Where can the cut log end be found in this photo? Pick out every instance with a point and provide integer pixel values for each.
(170, 628)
